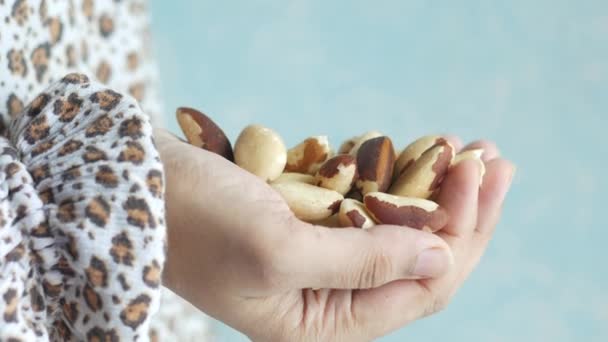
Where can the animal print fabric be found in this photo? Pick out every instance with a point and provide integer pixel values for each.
(83, 217)
(61, 274)
(43, 40)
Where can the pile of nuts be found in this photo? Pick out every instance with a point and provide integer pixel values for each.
(365, 183)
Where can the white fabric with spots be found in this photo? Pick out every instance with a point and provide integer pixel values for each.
(41, 41)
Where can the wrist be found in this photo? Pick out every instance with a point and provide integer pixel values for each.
(166, 144)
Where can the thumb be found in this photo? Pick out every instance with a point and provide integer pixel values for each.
(352, 258)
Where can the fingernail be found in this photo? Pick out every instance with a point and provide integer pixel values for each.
(433, 262)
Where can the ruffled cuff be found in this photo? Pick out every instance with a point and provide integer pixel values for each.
(82, 231)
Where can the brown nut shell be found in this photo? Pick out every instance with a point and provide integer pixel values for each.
(353, 214)
(202, 132)
(360, 140)
(375, 162)
(405, 211)
(354, 194)
(260, 151)
(338, 173)
(308, 156)
(309, 202)
(413, 151)
(424, 177)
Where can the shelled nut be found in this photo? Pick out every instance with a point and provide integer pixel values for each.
(295, 177)
(353, 214)
(308, 155)
(338, 173)
(201, 131)
(413, 151)
(424, 177)
(309, 202)
(375, 162)
(405, 211)
(260, 151)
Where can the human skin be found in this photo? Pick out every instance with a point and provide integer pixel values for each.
(237, 252)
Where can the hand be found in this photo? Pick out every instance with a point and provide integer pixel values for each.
(237, 252)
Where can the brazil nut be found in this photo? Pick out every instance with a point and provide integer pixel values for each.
(309, 202)
(338, 173)
(360, 140)
(412, 152)
(260, 151)
(405, 211)
(296, 177)
(201, 131)
(424, 176)
(308, 155)
(353, 214)
(375, 162)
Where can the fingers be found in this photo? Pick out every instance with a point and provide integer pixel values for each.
(392, 306)
(351, 258)
(454, 140)
(474, 214)
(491, 199)
(490, 150)
(459, 196)
(497, 181)
(400, 302)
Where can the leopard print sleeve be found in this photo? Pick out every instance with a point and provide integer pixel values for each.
(82, 234)
(40, 42)
(110, 41)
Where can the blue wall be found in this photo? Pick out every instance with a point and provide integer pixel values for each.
(532, 75)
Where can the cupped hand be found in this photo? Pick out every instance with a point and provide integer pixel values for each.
(236, 251)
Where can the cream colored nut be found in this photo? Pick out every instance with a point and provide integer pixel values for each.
(309, 202)
(353, 214)
(362, 139)
(295, 177)
(405, 211)
(202, 132)
(472, 155)
(412, 152)
(260, 151)
(347, 145)
(397, 154)
(424, 177)
(375, 162)
(331, 154)
(331, 222)
(308, 155)
(338, 173)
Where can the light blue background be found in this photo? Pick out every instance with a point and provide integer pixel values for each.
(532, 75)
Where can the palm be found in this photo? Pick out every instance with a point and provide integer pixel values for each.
(305, 310)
